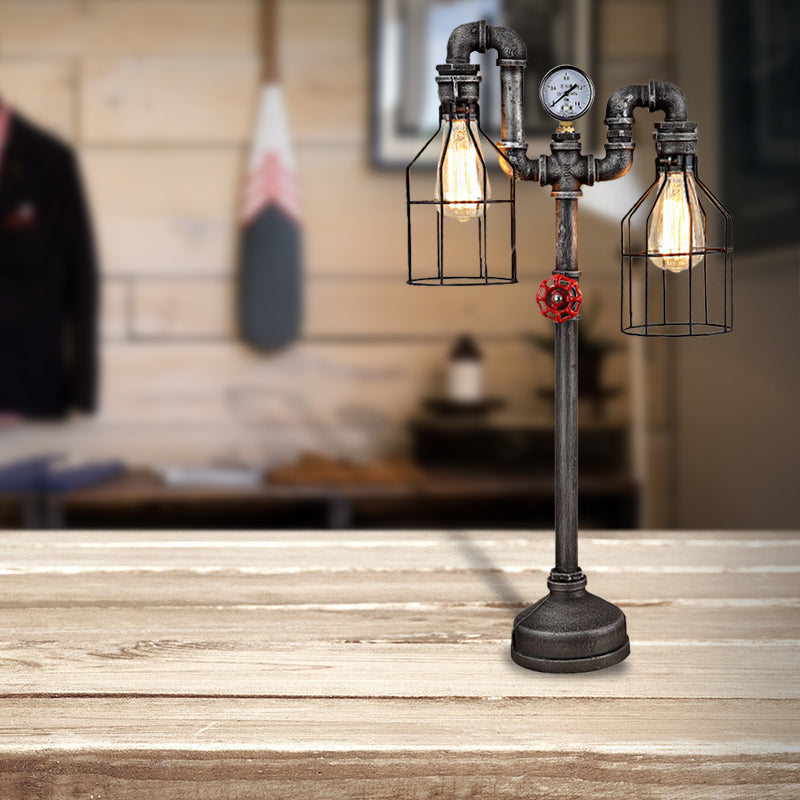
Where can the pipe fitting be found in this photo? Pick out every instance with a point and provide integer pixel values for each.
(525, 169)
(669, 98)
(508, 43)
(673, 136)
(675, 139)
(619, 109)
(466, 38)
(616, 162)
(458, 84)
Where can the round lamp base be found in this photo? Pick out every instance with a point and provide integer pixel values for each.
(569, 630)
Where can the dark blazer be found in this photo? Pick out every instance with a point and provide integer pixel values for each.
(48, 279)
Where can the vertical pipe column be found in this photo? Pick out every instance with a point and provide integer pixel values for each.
(511, 94)
(566, 395)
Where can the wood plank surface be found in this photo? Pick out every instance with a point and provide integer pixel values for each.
(723, 727)
(191, 667)
(218, 664)
(164, 99)
(335, 775)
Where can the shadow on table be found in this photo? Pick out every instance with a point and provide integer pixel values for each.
(493, 575)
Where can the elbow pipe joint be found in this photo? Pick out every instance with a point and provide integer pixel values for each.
(525, 169)
(508, 43)
(674, 136)
(617, 161)
(654, 96)
(479, 37)
(669, 98)
(619, 109)
(464, 40)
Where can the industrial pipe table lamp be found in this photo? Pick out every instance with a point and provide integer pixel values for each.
(676, 273)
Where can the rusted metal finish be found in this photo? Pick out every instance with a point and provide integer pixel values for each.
(569, 630)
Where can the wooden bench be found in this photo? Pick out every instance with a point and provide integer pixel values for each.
(375, 664)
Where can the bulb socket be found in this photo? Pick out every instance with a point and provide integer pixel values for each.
(458, 84)
(675, 138)
(682, 162)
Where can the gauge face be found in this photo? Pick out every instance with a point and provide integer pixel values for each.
(566, 92)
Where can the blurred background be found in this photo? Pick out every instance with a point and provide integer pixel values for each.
(358, 421)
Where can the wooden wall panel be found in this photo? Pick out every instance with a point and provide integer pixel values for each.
(43, 90)
(159, 97)
(213, 100)
(45, 27)
(187, 100)
(328, 101)
(313, 29)
(166, 210)
(375, 309)
(174, 28)
(311, 384)
(175, 308)
(141, 27)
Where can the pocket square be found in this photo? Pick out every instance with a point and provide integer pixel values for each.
(21, 217)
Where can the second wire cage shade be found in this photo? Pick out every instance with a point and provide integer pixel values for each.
(677, 257)
(460, 197)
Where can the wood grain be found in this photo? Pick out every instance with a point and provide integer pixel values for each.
(177, 28)
(165, 211)
(159, 100)
(334, 665)
(393, 725)
(187, 667)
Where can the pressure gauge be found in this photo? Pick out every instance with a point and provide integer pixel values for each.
(566, 92)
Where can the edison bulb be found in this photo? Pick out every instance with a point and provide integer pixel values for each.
(460, 172)
(676, 227)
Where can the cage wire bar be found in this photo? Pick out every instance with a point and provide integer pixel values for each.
(696, 301)
(485, 276)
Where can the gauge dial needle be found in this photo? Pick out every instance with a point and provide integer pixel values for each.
(559, 99)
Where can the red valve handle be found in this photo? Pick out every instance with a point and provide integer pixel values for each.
(559, 298)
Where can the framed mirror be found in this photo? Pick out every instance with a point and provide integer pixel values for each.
(410, 39)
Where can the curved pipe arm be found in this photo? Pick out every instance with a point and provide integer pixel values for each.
(655, 96)
(508, 43)
(479, 37)
(622, 102)
(512, 60)
(466, 38)
(670, 99)
(617, 161)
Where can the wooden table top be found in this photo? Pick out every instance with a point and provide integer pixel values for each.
(358, 664)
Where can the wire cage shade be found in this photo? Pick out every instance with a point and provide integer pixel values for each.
(439, 254)
(677, 259)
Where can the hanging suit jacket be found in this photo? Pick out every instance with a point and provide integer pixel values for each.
(48, 278)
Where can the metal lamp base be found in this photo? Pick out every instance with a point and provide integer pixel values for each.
(569, 630)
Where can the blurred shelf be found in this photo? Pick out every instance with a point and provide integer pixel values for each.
(452, 497)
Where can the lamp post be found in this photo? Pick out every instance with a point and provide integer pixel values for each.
(676, 275)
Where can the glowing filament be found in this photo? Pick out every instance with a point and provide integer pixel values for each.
(460, 172)
(676, 228)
